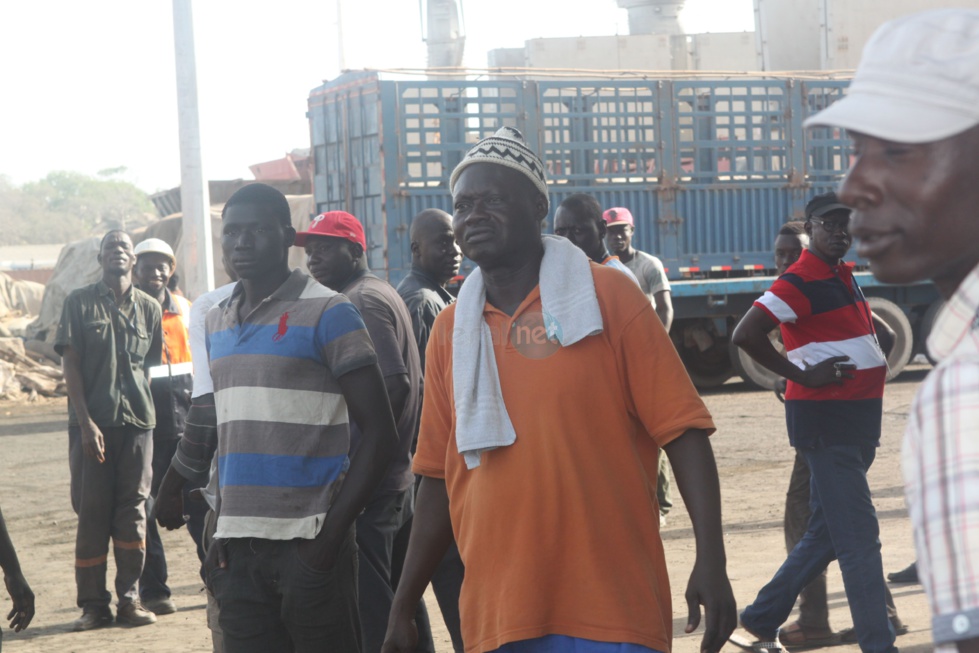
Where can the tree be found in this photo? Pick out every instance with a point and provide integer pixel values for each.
(67, 206)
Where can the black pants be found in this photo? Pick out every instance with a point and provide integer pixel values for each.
(270, 600)
(153, 580)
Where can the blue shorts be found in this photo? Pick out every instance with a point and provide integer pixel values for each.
(565, 644)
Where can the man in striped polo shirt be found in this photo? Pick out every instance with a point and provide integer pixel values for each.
(291, 364)
(833, 403)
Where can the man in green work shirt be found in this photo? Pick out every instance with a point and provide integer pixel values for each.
(109, 336)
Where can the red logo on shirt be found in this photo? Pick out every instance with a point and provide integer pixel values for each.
(283, 327)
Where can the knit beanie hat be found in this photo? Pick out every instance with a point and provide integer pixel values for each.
(506, 147)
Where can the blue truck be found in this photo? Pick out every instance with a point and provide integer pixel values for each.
(710, 168)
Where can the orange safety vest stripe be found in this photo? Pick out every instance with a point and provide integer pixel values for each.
(175, 332)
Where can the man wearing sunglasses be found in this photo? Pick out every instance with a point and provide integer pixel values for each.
(835, 370)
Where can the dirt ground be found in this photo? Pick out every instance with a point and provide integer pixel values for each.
(752, 454)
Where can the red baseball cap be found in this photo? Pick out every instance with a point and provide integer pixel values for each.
(338, 224)
(618, 215)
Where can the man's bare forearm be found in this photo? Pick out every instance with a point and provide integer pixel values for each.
(431, 535)
(370, 409)
(751, 335)
(664, 308)
(8, 556)
(695, 473)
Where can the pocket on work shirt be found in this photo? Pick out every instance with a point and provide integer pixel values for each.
(95, 332)
(139, 345)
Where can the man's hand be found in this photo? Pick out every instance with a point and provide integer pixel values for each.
(431, 535)
(401, 636)
(832, 370)
(168, 509)
(321, 552)
(93, 443)
(711, 588)
(20, 592)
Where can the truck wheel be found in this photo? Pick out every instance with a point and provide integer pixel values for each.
(895, 318)
(927, 323)
(754, 373)
(709, 368)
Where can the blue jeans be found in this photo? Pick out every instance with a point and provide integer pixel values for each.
(843, 527)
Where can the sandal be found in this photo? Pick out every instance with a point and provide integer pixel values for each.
(798, 637)
(760, 645)
(757, 646)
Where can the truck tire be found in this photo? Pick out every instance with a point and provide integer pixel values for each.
(703, 353)
(707, 371)
(895, 318)
(752, 372)
(927, 323)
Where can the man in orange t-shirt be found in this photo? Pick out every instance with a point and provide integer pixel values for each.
(559, 530)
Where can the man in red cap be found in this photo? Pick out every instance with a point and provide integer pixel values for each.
(647, 268)
(651, 274)
(336, 256)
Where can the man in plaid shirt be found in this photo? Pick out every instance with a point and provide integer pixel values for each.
(912, 113)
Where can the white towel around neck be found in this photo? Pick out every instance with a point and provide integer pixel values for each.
(571, 313)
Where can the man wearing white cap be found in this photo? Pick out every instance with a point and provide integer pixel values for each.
(912, 113)
(170, 383)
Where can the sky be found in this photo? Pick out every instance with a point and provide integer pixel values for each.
(90, 86)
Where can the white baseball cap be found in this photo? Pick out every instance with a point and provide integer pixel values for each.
(155, 246)
(917, 81)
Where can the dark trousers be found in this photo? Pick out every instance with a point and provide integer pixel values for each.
(813, 608)
(153, 580)
(213, 610)
(110, 501)
(664, 488)
(843, 527)
(381, 560)
(270, 600)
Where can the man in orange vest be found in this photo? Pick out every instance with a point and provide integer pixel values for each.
(171, 384)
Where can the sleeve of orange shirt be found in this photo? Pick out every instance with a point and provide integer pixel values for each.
(436, 421)
(660, 393)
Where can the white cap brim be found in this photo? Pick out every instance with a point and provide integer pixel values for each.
(892, 119)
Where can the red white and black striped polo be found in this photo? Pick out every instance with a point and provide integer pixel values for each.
(823, 313)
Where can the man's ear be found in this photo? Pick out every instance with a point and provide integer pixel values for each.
(541, 207)
(602, 229)
(415, 248)
(356, 251)
(807, 225)
(289, 236)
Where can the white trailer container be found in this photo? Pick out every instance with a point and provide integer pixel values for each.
(826, 34)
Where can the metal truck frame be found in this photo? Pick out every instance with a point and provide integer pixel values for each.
(710, 168)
